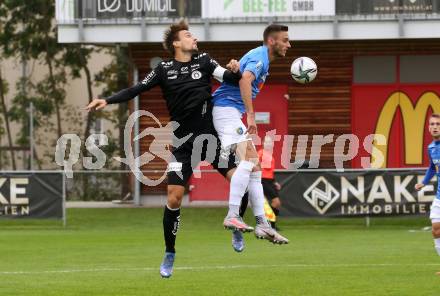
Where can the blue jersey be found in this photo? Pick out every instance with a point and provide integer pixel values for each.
(255, 61)
(434, 163)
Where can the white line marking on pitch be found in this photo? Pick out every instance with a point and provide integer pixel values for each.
(216, 267)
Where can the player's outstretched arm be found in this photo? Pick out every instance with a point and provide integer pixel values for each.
(96, 104)
(126, 95)
(120, 97)
(152, 79)
(231, 75)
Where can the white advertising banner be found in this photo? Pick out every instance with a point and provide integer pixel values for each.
(65, 10)
(267, 8)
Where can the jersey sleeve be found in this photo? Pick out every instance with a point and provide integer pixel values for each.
(219, 73)
(151, 80)
(209, 63)
(430, 172)
(255, 66)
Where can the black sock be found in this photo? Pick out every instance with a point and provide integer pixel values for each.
(244, 204)
(171, 221)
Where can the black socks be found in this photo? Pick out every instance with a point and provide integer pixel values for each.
(171, 221)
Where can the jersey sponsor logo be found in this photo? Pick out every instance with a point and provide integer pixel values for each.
(172, 77)
(184, 70)
(172, 72)
(239, 130)
(259, 65)
(195, 66)
(413, 120)
(196, 75)
(167, 64)
(149, 77)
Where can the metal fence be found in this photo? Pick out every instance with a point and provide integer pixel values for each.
(99, 186)
(28, 148)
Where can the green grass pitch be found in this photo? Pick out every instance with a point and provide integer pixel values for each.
(118, 252)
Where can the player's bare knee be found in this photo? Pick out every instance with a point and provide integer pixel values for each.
(174, 198)
(174, 203)
(436, 232)
(276, 203)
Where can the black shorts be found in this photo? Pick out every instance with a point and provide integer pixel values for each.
(270, 191)
(203, 145)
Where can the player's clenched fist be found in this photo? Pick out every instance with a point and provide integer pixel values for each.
(96, 104)
(233, 66)
(419, 186)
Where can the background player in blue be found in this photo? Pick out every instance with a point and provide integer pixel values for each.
(230, 102)
(434, 163)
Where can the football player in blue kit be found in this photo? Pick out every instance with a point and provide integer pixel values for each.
(230, 103)
(434, 163)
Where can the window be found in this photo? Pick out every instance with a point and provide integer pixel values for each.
(374, 69)
(420, 69)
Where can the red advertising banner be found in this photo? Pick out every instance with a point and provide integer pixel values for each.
(271, 108)
(398, 112)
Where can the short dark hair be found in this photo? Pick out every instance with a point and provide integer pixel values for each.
(274, 28)
(172, 34)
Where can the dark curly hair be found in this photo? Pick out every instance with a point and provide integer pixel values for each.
(172, 34)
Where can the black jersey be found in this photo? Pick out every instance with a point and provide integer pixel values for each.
(185, 86)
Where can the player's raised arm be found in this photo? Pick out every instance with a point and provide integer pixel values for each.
(246, 95)
(231, 74)
(151, 80)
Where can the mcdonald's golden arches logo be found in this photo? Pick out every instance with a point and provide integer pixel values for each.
(413, 119)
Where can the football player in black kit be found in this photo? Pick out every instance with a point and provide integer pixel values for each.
(185, 81)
